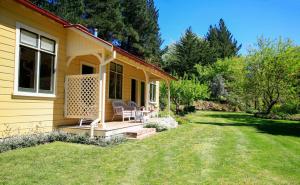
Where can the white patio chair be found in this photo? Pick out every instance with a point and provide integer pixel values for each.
(123, 110)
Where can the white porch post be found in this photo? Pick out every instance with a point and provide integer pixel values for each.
(169, 98)
(102, 72)
(147, 90)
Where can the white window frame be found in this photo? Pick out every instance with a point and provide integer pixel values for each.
(20, 26)
(155, 85)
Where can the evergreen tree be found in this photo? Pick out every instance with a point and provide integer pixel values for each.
(71, 10)
(135, 20)
(187, 53)
(153, 40)
(106, 16)
(222, 41)
(132, 25)
(142, 36)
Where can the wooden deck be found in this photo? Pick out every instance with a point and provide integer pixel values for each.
(112, 128)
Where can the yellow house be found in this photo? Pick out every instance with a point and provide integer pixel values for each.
(53, 73)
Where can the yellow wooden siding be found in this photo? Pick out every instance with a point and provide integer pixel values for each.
(129, 72)
(21, 115)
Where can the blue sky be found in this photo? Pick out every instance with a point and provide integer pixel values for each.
(246, 19)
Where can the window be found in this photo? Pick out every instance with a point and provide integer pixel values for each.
(133, 90)
(142, 93)
(152, 92)
(35, 61)
(115, 81)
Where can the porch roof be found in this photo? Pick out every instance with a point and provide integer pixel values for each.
(106, 44)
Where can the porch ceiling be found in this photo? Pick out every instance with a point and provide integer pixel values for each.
(79, 44)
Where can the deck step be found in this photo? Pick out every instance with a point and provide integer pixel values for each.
(140, 133)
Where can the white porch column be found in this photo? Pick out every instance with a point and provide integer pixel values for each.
(147, 91)
(102, 93)
(169, 98)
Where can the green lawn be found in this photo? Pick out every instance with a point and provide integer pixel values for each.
(227, 148)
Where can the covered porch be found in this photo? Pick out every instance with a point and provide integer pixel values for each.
(98, 75)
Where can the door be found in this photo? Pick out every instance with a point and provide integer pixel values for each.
(142, 93)
(86, 69)
(133, 90)
(87, 92)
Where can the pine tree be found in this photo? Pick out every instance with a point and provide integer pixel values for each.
(135, 20)
(187, 53)
(70, 10)
(132, 25)
(106, 16)
(153, 39)
(222, 41)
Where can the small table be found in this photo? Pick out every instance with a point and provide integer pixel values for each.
(142, 115)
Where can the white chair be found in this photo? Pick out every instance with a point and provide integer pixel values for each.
(123, 110)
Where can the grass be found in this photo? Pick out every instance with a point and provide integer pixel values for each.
(217, 148)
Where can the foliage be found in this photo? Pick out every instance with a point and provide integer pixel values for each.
(190, 50)
(142, 36)
(131, 25)
(158, 127)
(106, 16)
(71, 10)
(189, 109)
(222, 41)
(16, 142)
(271, 73)
(184, 92)
(182, 120)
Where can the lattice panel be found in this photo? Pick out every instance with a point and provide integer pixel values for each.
(82, 96)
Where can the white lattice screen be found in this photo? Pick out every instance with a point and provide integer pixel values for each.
(82, 96)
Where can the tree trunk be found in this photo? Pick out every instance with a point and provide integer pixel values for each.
(269, 107)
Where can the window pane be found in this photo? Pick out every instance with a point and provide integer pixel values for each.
(46, 72)
(47, 44)
(142, 94)
(112, 66)
(29, 38)
(154, 93)
(119, 86)
(119, 68)
(112, 85)
(27, 69)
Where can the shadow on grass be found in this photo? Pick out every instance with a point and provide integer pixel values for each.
(275, 127)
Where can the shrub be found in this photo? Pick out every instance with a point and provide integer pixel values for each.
(158, 127)
(189, 109)
(287, 108)
(182, 120)
(42, 138)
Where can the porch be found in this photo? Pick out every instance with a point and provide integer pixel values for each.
(112, 129)
(96, 76)
(87, 96)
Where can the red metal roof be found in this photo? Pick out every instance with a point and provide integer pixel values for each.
(83, 29)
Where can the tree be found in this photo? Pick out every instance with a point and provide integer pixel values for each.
(106, 16)
(71, 10)
(184, 92)
(131, 25)
(222, 41)
(152, 37)
(142, 36)
(271, 72)
(187, 49)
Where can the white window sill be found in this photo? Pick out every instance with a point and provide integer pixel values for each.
(37, 95)
(152, 102)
